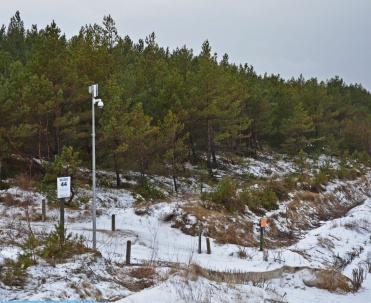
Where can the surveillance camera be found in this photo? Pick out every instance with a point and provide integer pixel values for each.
(99, 102)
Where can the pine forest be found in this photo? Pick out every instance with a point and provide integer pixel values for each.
(162, 108)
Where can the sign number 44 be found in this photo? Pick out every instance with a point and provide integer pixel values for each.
(64, 187)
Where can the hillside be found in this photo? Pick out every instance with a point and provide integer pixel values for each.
(317, 244)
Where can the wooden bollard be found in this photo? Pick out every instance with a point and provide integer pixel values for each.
(43, 210)
(113, 222)
(208, 246)
(128, 252)
(199, 240)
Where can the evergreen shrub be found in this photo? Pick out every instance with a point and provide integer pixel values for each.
(149, 191)
(361, 157)
(320, 178)
(58, 245)
(226, 195)
(13, 273)
(260, 198)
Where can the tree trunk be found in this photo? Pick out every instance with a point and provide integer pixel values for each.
(117, 170)
(210, 143)
(40, 138)
(142, 169)
(175, 184)
(71, 197)
(47, 138)
(192, 143)
(57, 142)
(213, 153)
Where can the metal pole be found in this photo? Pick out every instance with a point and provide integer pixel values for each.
(93, 172)
(262, 238)
(61, 208)
(263, 224)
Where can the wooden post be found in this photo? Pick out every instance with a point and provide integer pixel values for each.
(199, 239)
(128, 252)
(208, 246)
(113, 223)
(43, 210)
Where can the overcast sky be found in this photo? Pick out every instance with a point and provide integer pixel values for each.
(316, 38)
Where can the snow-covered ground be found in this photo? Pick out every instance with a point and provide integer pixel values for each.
(275, 275)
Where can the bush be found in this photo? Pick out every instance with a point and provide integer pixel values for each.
(301, 162)
(14, 273)
(320, 178)
(30, 250)
(226, 194)
(59, 246)
(361, 157)
(290, 180)
(256, 199)
(149, 191)
(3, 185)
(325, 174)
(281, 189)
(344, 173)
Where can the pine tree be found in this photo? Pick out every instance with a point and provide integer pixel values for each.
(142, 140)
(15, 39)
(172, 147)
(67, 164)
(116, 131)
(213, 106)
(51, 61)
(150, 74)
(297, 131)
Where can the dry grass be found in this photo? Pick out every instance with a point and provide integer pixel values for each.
(274, 237)
(141, 211)
(26, 207)
(281, 189)
(304, 212)
(220, 226)
(13, 200)
(136, 278)
(167, 217)
(202, 210)
(307, 208)
(331, 280)
(142, 272)
(308, 196)
(25, 182)
(193, 272)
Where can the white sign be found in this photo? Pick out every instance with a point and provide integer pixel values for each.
(64, 187)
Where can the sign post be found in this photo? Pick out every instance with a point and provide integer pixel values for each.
(263, 223)
(64, 191)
